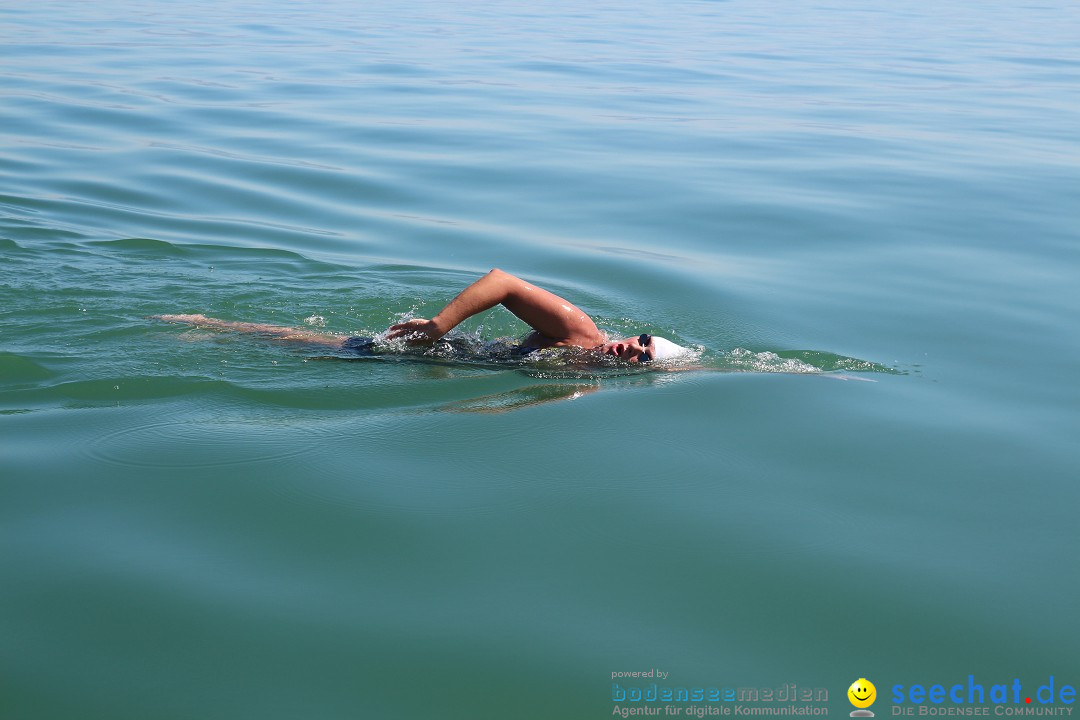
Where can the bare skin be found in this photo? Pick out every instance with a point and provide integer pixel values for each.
(278, 332)
(555, 321)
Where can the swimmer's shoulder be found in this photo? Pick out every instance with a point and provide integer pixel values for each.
(537, 341)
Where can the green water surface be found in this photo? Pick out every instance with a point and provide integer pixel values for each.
(862, 214)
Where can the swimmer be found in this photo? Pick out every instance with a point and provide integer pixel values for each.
(555, 322)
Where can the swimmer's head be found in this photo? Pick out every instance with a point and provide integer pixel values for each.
(643, 348)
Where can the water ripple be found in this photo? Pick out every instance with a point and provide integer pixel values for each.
(202, 443)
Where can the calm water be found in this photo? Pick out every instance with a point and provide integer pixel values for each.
(202, 525)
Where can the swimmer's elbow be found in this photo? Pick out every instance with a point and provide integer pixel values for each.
(502, 279)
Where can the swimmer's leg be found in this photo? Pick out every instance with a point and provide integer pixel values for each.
(277, 332)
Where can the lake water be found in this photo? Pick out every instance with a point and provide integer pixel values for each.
(197, 524)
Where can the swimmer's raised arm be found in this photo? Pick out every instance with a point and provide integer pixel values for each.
(554, 320)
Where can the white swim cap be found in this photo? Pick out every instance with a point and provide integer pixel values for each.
(665, 349)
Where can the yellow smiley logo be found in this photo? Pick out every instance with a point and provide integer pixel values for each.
(862, 693)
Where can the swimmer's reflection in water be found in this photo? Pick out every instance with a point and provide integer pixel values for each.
(555, 323)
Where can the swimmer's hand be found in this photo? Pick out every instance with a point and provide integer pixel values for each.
(417, 331)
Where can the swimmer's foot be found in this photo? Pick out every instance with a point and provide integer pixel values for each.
(189, 319)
